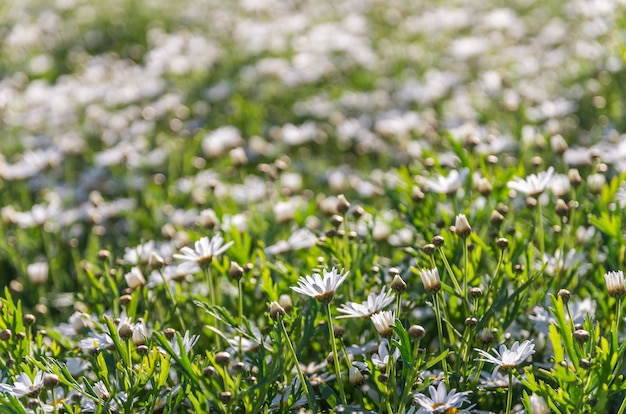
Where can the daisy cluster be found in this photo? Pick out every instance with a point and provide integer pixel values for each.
(331, 206)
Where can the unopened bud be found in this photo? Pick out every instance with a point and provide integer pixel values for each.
(235, 271)
(343, 204)
(581, 335)
(574, 177)
(355, 377)
(336, 220)
(429, 249)
(222, 358)
(50, 380)
(276, 310)
(438, 241)
(561, 208)
(476, 292)
(565, 295)
(496, 218)
(169, 333)
(502, 243)
(416, 332)
(29, 319)
(398, 285)
(462, 226)
(471, 321)
(285, 301)
(5, 335)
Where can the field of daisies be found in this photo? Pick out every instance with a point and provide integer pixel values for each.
(277, 206)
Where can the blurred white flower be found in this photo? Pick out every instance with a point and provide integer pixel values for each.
(534, 184)
(299, 239)
(205, 250)
(38, 272)
(615, 283)
(446, 185)
(134, 278)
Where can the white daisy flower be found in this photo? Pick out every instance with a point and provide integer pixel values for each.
(447, 185)
(534, 184)
(382, 322)
(508, 358)
(96, 342)
(375, 303)
(441, 401)
(615, 283)
(538, 405)
(188, 342)
(382, 358)
(24, 386)
(322, 289)
(204, 250)
(172, 273)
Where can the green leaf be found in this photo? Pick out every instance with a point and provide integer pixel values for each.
(404, 342)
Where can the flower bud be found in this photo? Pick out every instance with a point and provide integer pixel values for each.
(561, 208)
(276, 310)
(496, 218)
(51, 380)
(574, 177)
(222, 358)
(125, 331)
(581, 335)
(235, 271)
(343, 205)
(462, 226)
(429, 249)
(285, 301)
(502, 243)
(471, 321)
(565, 295)
(355, 377)
(416, 332)
(476, 292)
(398, 285)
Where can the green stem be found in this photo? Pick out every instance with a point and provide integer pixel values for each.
(172, 298)
(209, 282)
(465, 270)
(398, 304)
(335, 354)
(542, 248)
(509, 398)
(303, 381)
(240, 301)
(622, 407)
(413, 370)
(457, 287)
(441, 346)
(618, 316)
(240, 312)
